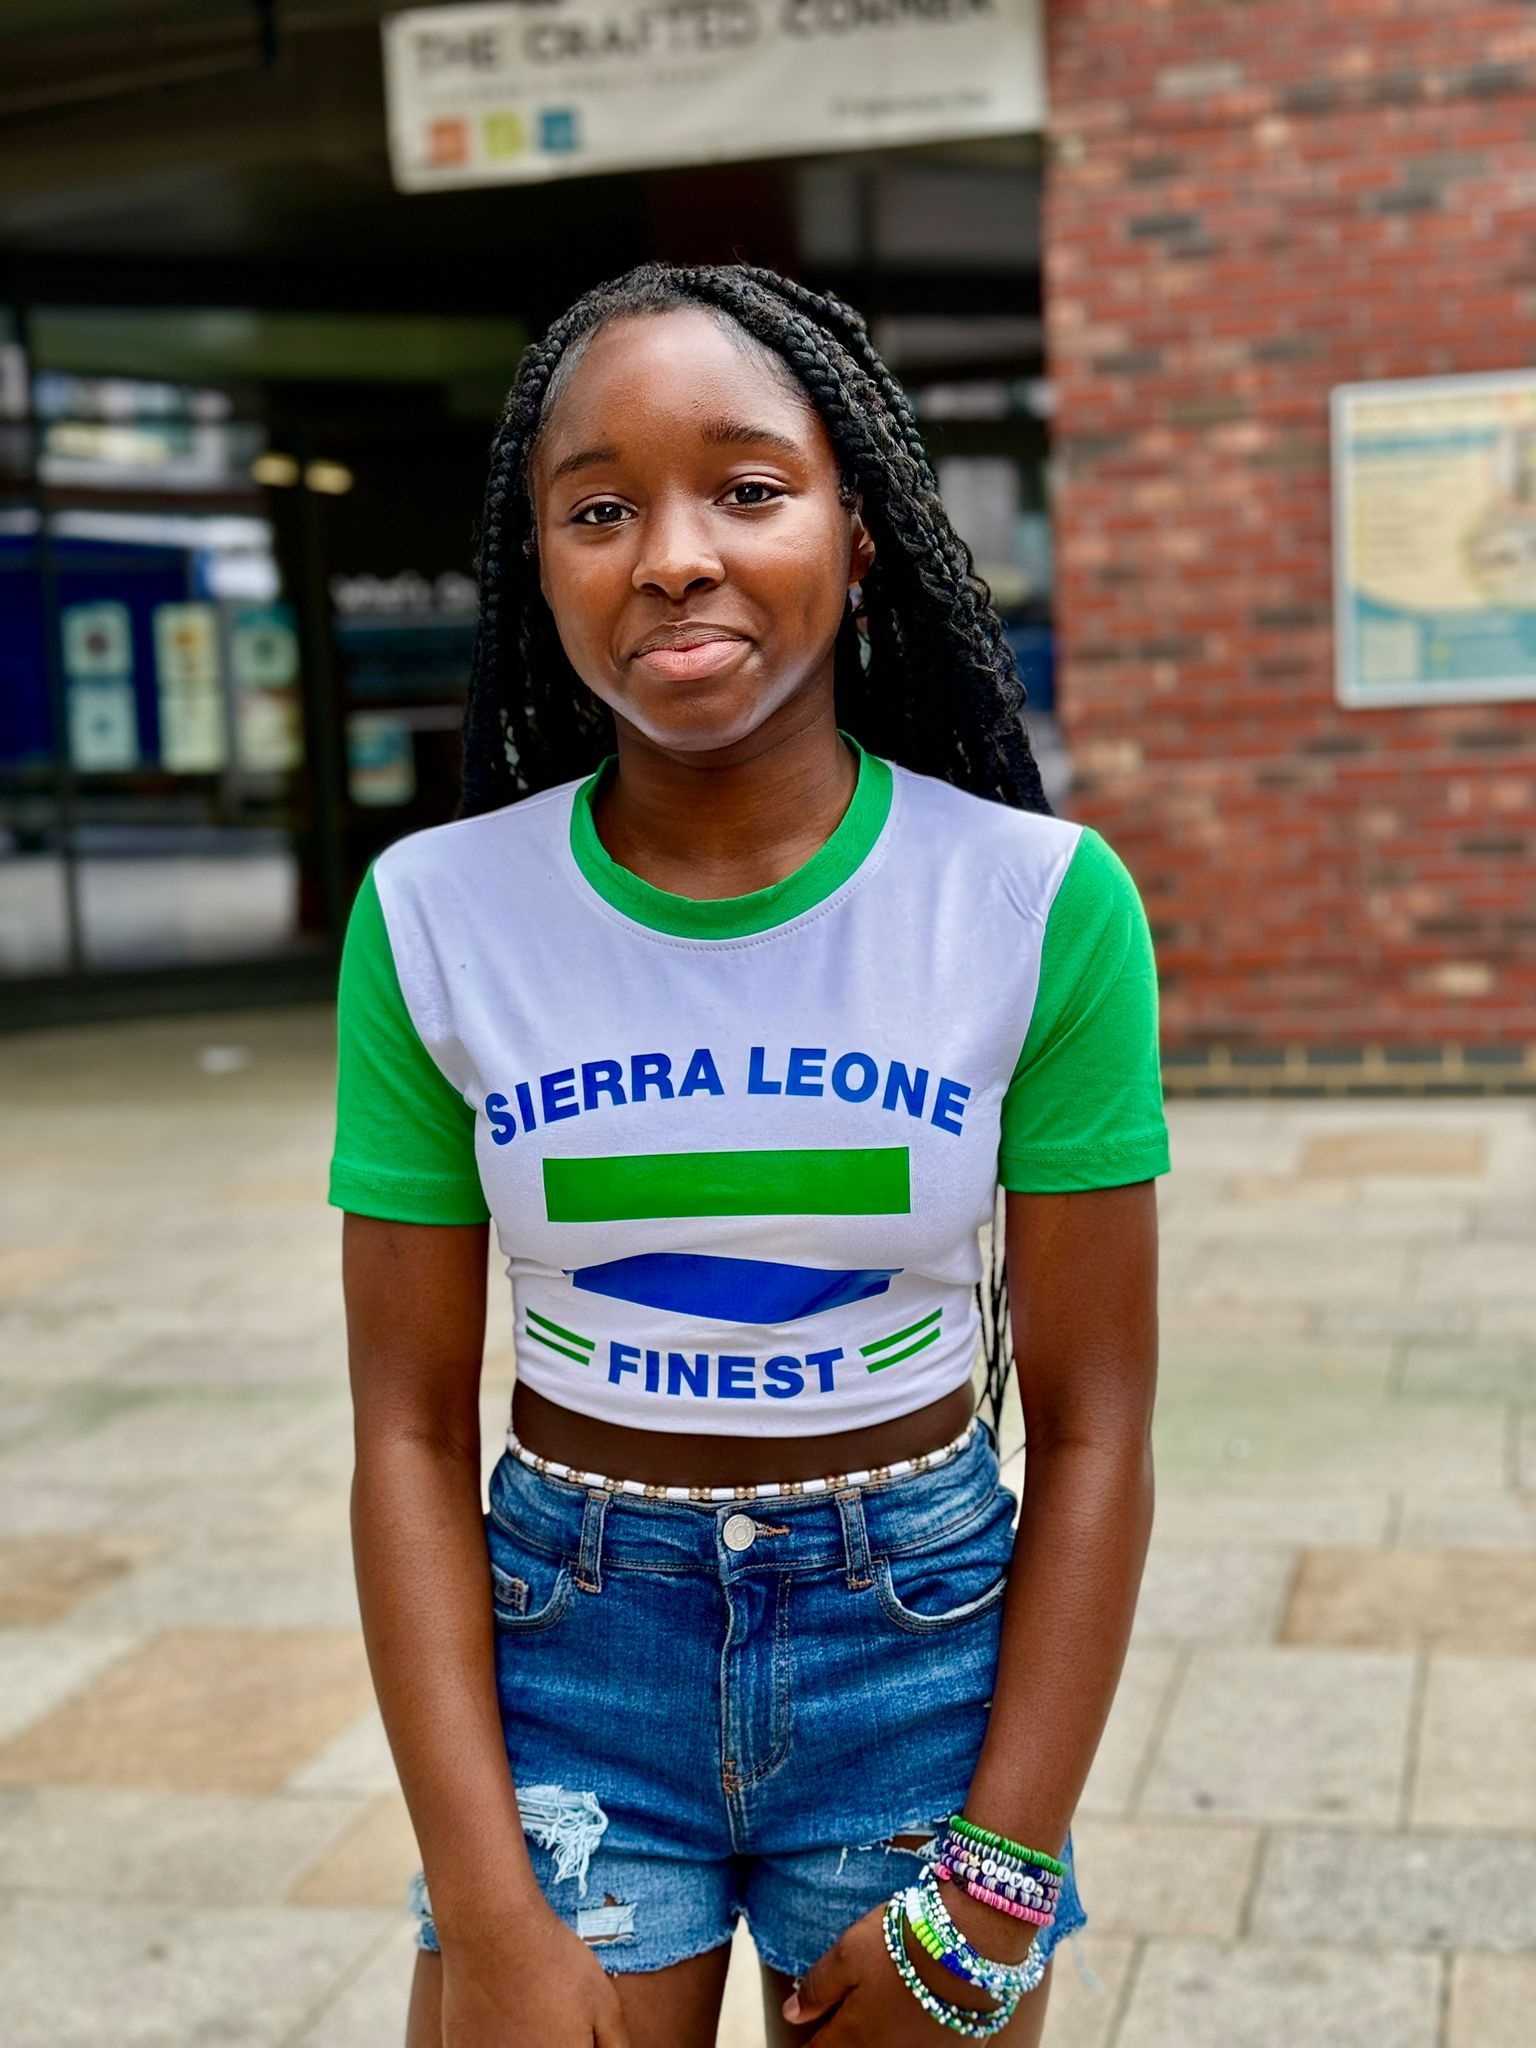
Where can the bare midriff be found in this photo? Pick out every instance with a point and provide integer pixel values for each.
(668, 1458)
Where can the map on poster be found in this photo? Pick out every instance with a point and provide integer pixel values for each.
(534, 89)
(1434, 483)
(190, 687)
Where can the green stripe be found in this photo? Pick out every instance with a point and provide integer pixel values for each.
(735, 917)
(580, 1357)
(627, 1189)
(881, 1343)
(558, 1329)
(896, 1357)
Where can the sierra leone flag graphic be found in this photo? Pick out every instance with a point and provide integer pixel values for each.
(648, 1186)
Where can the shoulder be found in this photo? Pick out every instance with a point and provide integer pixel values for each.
(1023, 856)
(458, 861)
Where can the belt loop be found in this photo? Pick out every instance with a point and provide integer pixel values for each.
(589, 1572)
(850, 1506)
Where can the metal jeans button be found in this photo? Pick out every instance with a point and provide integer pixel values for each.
(739, 1532)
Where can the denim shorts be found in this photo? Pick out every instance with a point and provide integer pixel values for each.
(714, 1710)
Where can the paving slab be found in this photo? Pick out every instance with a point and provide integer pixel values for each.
(230, 1710)
(83, 1973)
(1481, 1368)
(1205, 1595)
(1493, 1999)
(357, 1760)
(1335, 1442)
(369, 1863)
(366, 2005)
(1087, 1982)
(1476, 1761)
(1166, 1878)
(1285, 1734)
(1410, 1148)
(1252, 1995)
(1396, 1318)
(1206, 1370)
(1477, 1271)
(1469, 1600)
(43, 1577)
(40, 1667)
(1460, 1520)
(1146, 1683)
(267, 1584)
(1264, 1271)
(1439, 1890)
(1262, 1511)
(184, 1850)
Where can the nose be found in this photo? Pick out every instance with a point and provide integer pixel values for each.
(677, 555)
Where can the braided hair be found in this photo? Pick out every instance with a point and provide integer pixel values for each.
(923, 674)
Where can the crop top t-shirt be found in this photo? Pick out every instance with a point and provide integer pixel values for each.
(737, 1153)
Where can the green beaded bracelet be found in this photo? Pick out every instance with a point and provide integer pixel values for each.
(965, 1827)
(960, 2019)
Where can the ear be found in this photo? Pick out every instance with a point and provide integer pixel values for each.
(861, 549)
(535, 553)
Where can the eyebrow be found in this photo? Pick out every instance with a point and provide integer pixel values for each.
(719, 432)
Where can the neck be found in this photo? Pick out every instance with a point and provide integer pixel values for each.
(726, 824)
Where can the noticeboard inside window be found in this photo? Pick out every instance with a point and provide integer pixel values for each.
(1434, 539)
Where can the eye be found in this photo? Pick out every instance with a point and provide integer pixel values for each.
(769, 491)
(601, 506)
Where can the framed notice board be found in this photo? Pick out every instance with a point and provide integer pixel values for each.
(1434, 539)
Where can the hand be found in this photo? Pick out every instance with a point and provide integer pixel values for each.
(874, 2008)
(533, 1984)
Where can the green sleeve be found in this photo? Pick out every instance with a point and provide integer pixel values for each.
(405, 1138)
(1085, 1106)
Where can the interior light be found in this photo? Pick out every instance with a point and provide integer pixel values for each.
(333, 478)
(280, 471)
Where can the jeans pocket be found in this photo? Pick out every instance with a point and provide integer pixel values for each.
(952, 1578)
(530, 1589)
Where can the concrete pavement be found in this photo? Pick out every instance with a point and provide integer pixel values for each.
(1314, 1812)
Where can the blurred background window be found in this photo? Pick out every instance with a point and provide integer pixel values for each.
(247, 390)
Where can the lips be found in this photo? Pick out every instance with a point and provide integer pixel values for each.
(680, 652)
(685, 633)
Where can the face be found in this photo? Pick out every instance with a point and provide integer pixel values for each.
(693, 546)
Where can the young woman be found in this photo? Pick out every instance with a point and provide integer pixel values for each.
(753, 964)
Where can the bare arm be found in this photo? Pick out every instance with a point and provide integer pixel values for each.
(415, 1296)
(1083, 1287)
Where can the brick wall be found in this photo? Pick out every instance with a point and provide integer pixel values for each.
(1249, 201)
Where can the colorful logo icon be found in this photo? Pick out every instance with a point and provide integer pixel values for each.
(558, 131)
(447, 143)
(505, 134)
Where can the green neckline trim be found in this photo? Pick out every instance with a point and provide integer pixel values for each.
(736, 917)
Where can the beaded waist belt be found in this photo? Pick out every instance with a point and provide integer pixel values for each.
(874, 1475)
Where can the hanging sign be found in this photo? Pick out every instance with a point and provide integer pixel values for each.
(529, 89)
(191, 698)
(1434, 493)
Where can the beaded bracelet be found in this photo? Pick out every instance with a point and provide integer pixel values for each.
(965, 1848)
(956, 1955)
(1014, 1889)
(938, 1934)
(960, 2019)
(985, 1836)
(999, 1874)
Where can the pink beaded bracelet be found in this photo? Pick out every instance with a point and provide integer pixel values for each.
(987, 1897)
(991, 1898)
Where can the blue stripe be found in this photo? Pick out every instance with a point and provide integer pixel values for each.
(731, 1290)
